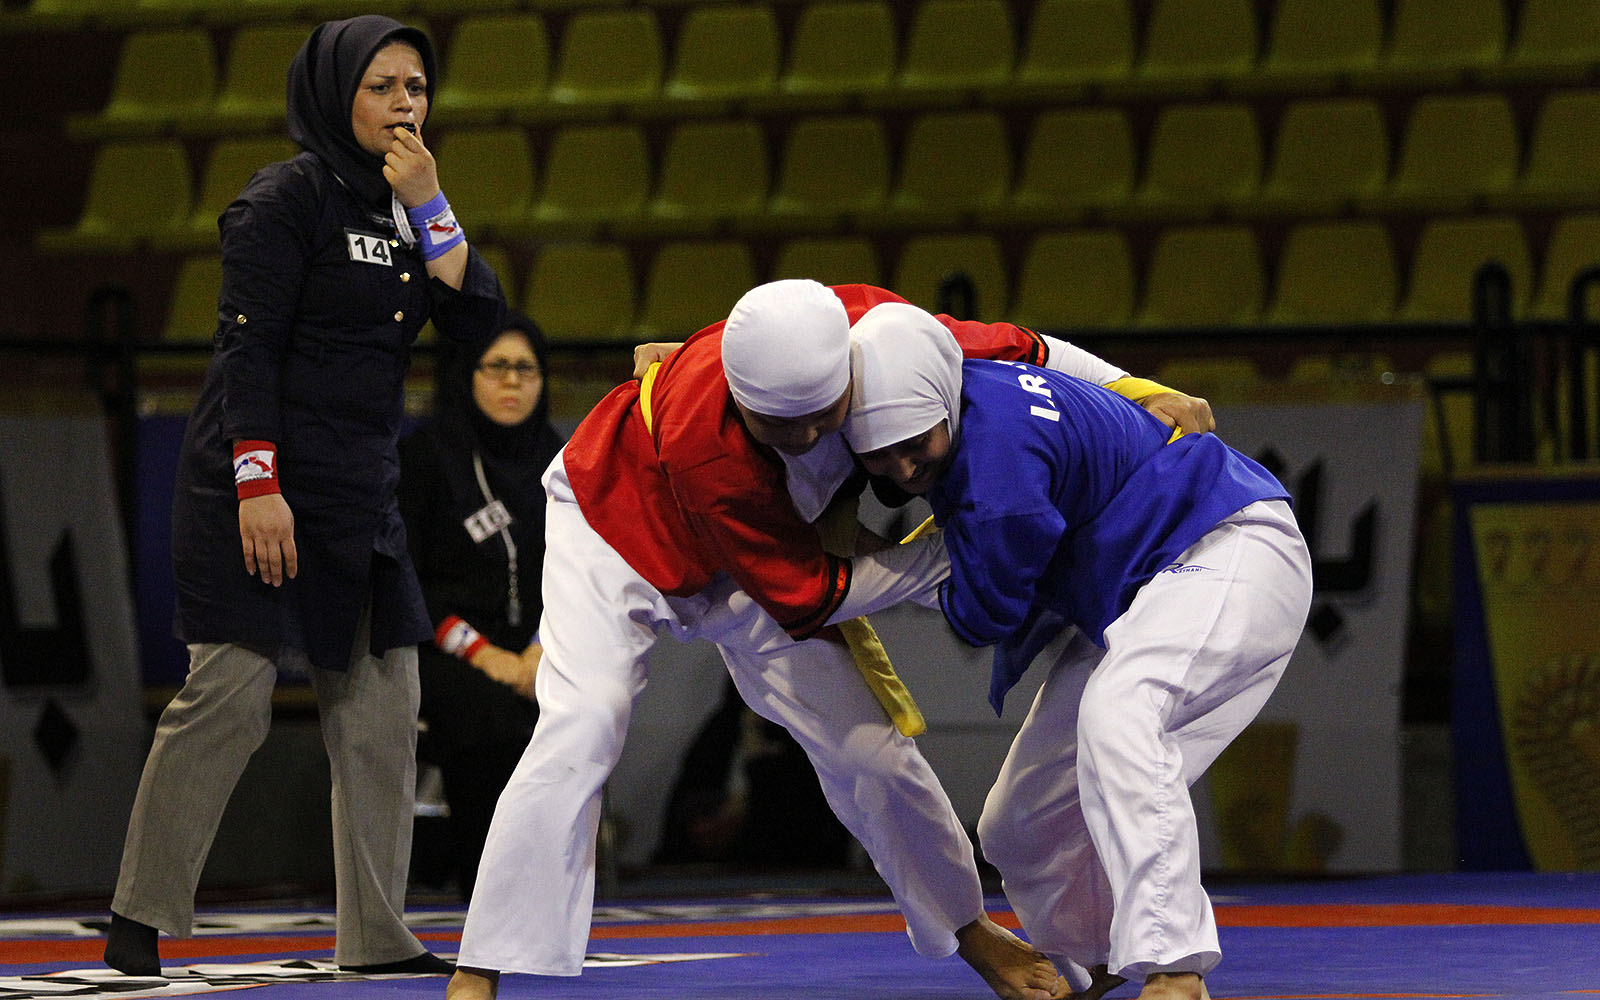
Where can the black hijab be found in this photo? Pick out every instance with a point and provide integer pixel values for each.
(514, 458)
(323, 80)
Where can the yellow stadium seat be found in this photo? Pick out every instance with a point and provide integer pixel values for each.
(498, 63)
(229, 165)
(1556, 41)
(161, 78)
(1229, 379)
(1328, 153)
(1202, 157)
(500, 263)
(582, 291)
(1447, 258)
(1073, 44)
(191, 321)
(952, 164)
(1203, 276)
(1574, 246)
(137, 189)
(832, 168)
(1074, 279)
(593, 175)
(1189, 45)
(490, 173)
(832, 260)
(724, 53)
(251, 97)
(1335, 272)
(1077, 161)
(1436, 43)
(840, 48)
(711, 171)
(1563, 163)
(955, 45)
(608, 56)
(692, 285)
(1456, 150)
(62, 15)
(1313, 44)
(926, 262)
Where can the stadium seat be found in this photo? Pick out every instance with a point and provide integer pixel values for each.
(161, 78)
(1203, 276)
(1436, 43)
(490, 173)
(952, 164)
(1202, 157)
(724, 53)
(956, 45)
(832, 260)
(1075, 279)
(498, 63)
(1556, 41)
(1076, 161)
(251, 97)
(1563, 162)
(229, 165)
(1313, 44)
(1447, 258)
(137, 189)
(593, 175)
(582, 291)
(839, 48)
(191, 321)
(1335, 272)
(1328, 153)
(608, 56)
(832, 168)
(692, 285)
(1573, 246)
(500, 263)
(710, 171)
(1456, 150)
(1071, 45)
(1189, 45)
(926, 261)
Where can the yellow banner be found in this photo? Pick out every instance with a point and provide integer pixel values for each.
(1539, 571)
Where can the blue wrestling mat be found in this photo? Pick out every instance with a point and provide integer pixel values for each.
(1460, 935)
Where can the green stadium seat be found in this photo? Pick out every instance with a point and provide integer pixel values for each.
(1077, 161)
(952, 165)
(1556, 41)
(839, 49)
(608, 56)
(954, 46)
(1438, 43)
(491, 179)
(832, 168)
(1201, 158)
(927, 260)
(1328, 153)
(1563, 163)
(711, 172)
(497, 64)
(724, 54)
(1456, 150)
(1191, 45)
(1573, 246)
(582, 291)
(1072, 45)
(137, 189)
(593, 175)
(1076, 278)
(693, 284)
(229, 165)
(1203, 276)
(1335, 272)
(1314, 44)
(1447, 258)
(161, 78)
(832, 260)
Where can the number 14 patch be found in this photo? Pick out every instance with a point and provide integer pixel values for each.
(367, 248)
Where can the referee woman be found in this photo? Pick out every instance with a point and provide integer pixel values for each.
(289, 551)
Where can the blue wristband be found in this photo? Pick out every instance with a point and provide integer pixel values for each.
(436, 226)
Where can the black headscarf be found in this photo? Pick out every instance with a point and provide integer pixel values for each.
(514, 458)
(323, 80)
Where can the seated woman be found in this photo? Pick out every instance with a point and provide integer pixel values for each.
(1180, 565)
(474, 514)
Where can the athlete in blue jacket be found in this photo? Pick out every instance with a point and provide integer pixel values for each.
(1180, 564)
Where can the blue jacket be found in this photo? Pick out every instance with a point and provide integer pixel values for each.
(1060, 500)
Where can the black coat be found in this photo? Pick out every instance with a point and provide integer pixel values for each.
(317, 314)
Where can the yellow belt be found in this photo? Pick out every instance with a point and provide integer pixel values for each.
(870, 656)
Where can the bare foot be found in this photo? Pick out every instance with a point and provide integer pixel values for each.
(1101, 983)
(1014, 969)
(472, 984)
(1174, 986)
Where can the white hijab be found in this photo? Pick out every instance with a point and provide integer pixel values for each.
(906, 372)
(786, 348)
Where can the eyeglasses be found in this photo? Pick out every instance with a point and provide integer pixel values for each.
(500, 368)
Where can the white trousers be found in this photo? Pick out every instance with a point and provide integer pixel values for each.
(1090, 821)
(532, 904)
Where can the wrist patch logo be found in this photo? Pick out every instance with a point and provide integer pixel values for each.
(253, 465)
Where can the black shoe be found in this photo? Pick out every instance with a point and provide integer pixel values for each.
(131, 947)
(425, 964)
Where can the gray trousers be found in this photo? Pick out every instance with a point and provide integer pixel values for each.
(205, 737)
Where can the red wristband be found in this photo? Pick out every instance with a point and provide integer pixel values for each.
(459, 639)
(255, 468)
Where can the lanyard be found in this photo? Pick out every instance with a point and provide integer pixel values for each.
(495, 518)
